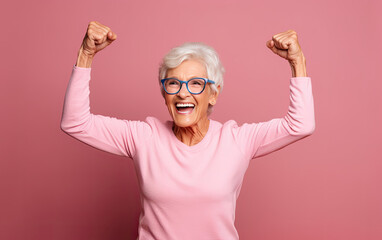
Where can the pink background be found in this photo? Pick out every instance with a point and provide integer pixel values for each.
(327, 186)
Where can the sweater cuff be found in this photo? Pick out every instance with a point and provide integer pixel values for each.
(300, 77)
(81, 68)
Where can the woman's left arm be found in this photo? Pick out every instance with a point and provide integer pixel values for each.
(262, 138)
(265, 137)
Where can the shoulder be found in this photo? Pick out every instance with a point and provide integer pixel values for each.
(155, 122)
(231, 127)
(152, 120)
(228, 127)
(157, 125)
(230, 124)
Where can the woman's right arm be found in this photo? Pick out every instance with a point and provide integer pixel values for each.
(102, 132)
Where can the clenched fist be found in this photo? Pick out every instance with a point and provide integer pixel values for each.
(285, 44)
(97, 37)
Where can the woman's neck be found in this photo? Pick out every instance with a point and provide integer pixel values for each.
(193, 134)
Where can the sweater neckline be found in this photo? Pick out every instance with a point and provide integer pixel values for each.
(195, 147)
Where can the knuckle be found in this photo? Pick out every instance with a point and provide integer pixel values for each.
(99, 36)
(91, 29)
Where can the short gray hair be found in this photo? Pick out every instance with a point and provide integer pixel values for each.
(199, 51)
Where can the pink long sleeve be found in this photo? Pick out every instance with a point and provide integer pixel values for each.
(109, 134)
(262, 138)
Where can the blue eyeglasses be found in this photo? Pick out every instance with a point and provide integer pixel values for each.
(194, 85)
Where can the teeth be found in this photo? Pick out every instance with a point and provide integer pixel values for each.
(185, 105)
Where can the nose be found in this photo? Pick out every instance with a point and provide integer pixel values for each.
(183, 92)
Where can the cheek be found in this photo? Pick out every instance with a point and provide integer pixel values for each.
(203, 102)
(167, 99)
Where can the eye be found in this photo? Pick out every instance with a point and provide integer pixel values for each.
(172, 82)
(197, 82)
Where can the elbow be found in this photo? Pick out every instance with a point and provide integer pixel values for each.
(300, 128)
(308, 130)
(63, 127)
(72, 127)
(300, 125)
(71, 130)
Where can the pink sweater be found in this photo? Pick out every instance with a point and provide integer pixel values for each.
(187, 192)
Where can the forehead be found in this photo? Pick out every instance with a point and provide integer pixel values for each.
(188, 69)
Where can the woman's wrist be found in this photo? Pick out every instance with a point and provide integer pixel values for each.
(298, 67)
(84, 60)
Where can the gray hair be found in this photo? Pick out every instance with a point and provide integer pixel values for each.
(199, 51)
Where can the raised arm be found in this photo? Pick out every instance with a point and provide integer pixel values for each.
(259, 139)
(102, 132)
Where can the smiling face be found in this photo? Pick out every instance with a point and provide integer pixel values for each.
(190, 116)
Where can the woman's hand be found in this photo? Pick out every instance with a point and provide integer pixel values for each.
(285, 44)
(97, 37)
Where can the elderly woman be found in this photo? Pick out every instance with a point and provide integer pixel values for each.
(190, 170)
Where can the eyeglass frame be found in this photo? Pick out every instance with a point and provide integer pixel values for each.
(206, 80)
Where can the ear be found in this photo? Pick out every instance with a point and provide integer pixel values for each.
(214, 96)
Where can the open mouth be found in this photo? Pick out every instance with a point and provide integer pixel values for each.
(184, 108)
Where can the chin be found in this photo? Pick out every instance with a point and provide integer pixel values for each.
(183, 122)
